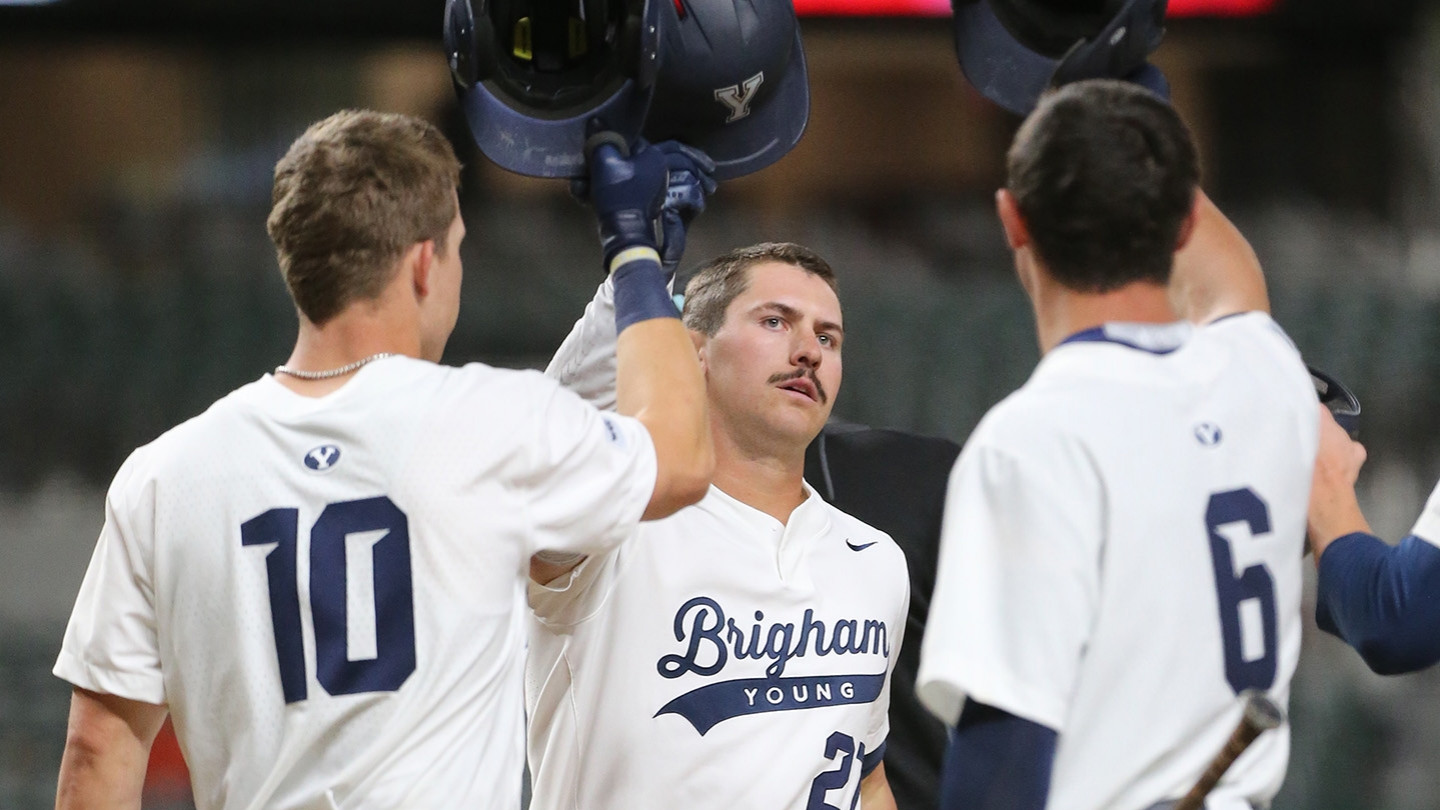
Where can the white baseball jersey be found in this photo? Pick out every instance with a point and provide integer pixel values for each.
(329, 592)
(1427, 526)
(1121, 556)
(720, 659)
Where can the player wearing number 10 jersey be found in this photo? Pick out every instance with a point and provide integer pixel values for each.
(322, 576)
(1121, 551)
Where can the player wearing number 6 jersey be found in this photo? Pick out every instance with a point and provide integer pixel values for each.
(738, 653)
(321, 578)
(1121, 545)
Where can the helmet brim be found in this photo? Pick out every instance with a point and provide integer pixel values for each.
(996, 63)
(540, 147)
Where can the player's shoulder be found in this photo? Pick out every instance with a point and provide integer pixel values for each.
(1251, 328)
(194, 438)
(1041, 411)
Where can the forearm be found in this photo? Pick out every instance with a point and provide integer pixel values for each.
(1334, 512)
(1382, 600)
(658, 381)
(1217, 272)
(875, 791)
(107, 750)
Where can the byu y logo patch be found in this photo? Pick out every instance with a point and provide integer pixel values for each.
(322, 458)
(737, 97)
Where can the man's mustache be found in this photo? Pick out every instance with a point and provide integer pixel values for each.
(797, 374)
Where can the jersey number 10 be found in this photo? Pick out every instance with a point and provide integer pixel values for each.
(1247, 666)
(393, 657)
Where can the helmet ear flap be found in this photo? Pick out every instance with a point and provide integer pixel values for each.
(469, 43)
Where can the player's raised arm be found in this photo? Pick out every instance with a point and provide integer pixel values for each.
(657, 375)
(1216, 271)
(585, 361)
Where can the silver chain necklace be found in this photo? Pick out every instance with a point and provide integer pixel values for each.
(334, 372)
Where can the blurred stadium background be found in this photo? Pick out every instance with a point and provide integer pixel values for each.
(137, 283)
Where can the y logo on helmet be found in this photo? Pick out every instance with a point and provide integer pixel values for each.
(737, 97)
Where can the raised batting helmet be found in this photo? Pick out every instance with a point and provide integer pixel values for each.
(532, 74)
(732, 81)
(1012, 50)
(1340, 400)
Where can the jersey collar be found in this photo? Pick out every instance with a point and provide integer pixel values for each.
(1155, 338)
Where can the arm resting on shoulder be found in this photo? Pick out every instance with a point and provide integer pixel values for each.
(1382, 600)
(997, 761)
(107, 750)
(1216, 271)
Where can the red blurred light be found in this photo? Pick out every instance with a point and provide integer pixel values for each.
(941, 8)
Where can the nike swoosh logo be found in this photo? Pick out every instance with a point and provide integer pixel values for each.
(860, 547)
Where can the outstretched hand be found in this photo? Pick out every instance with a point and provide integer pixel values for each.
(1334, 510)
(629, 192)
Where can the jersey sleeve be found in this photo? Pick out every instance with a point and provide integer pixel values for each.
(590, 475)
(1427, 527)
(111, 643)
(574, 596)
(1017, 584)
(585, 362)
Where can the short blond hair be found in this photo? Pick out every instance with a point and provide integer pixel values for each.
(351, 196)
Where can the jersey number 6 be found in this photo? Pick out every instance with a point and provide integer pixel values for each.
(1251, 592)
(346, 661)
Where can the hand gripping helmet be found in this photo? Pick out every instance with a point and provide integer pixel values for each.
(532, 74)
(732, 81)
(1012, 50)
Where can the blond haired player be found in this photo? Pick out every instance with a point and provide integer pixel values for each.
(321, 578)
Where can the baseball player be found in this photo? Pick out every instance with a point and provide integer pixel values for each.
(738, 653)
(1119, 557)
(321, 578)
(1382, 600)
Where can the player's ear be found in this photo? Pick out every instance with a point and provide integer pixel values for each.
(418, 262)
(1017, 233)
(700, 340)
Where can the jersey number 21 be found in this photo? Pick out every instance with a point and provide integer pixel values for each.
(365, 537)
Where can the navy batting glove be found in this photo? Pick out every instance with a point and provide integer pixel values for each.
(626, 191)
(690, 181)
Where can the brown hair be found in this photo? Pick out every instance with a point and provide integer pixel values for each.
(722, 279)
(1104, 173)
(351, 196)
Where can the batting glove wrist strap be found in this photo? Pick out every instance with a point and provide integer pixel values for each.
(640, 293)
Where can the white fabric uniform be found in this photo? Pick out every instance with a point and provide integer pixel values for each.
(1427, 526)
(720, 659)
(1121, 555)
(329, 593)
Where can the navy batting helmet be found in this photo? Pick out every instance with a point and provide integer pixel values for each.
(732, 81)
(1012, 50)
(533, 74)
